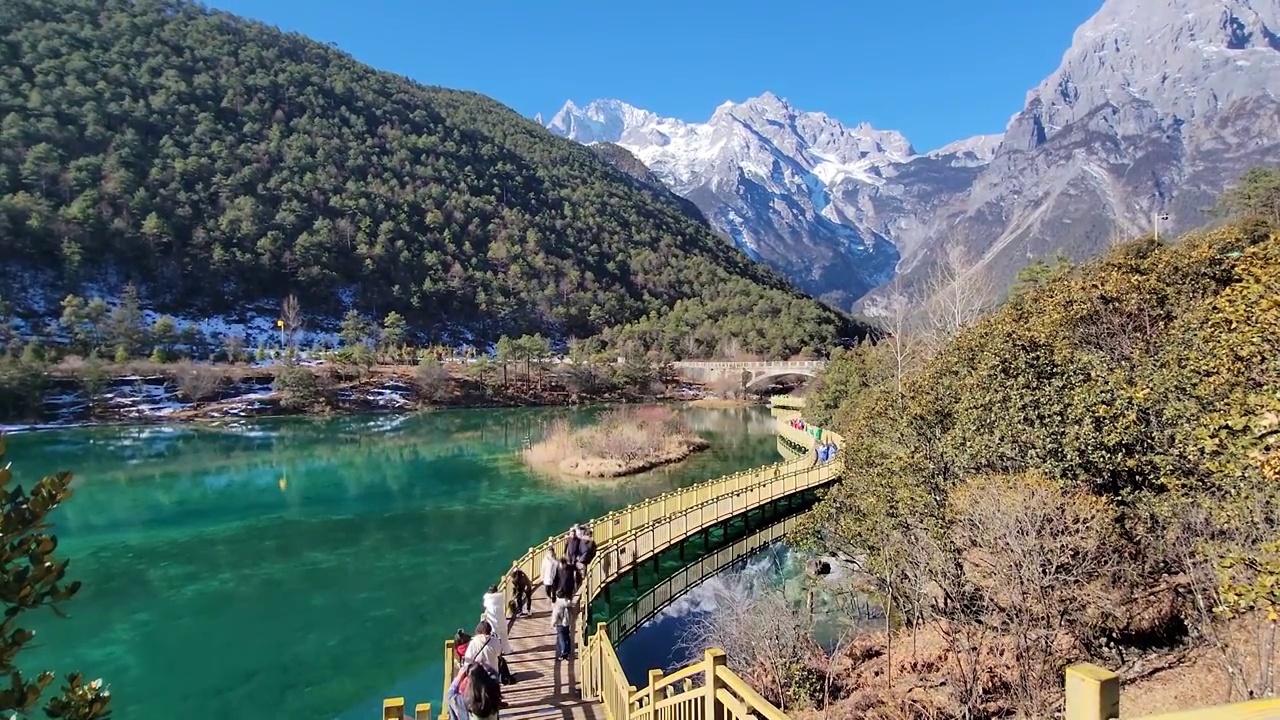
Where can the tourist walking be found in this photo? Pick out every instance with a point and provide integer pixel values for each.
(483, 647)
(549, 566)
(566, 580)
(572, 546)
(586, 553)
(453, 699)
(483, 696)
(483, 652)
(460, 642)
(562, 623)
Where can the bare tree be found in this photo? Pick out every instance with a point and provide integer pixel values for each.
(902, 322)
(727, 387)
(765, 637)
(291, 316)
(729, 349)
(959, 292)
(1244, 643)
(197, 382)
(839, 649)
(1038, 559)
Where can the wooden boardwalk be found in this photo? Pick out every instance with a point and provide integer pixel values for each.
(546, 687)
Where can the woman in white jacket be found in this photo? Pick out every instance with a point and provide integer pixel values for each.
(495, 611)
(549, 565)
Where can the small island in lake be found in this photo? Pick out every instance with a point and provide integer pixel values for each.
(622, 442)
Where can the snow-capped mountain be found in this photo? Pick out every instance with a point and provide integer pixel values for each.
(769, 176)
(1156, 107)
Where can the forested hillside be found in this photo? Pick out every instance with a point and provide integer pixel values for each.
(219, 163)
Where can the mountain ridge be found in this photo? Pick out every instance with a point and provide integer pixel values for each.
(1154, 109)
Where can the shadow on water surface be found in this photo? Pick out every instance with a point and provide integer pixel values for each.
(307, 567)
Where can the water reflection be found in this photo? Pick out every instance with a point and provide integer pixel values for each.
(837, 610)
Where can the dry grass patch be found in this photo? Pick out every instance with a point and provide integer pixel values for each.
(622, 442)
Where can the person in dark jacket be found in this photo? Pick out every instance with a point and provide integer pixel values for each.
(586, 553)
(566, 579)
(523, 588)
(573, 546)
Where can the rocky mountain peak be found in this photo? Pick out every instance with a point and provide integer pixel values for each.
(1187, 58)
(604, 120)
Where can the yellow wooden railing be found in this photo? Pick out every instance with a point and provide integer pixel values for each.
(705, 690)
(789, 402)
(1093, 693)
(628, 537)
(642, 544)
(667, 591)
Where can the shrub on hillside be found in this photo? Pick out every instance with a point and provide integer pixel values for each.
(432, 378)
(22, 386)
(1137, 382)
(298, 387)
(197, 382)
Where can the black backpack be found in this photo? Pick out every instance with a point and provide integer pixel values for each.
(483, 692)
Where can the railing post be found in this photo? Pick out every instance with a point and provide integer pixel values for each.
(713, 660)
(393, 709)
(1093, 693)
(655, 677)
(422, 711)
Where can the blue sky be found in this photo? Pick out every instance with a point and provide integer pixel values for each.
(936, 70)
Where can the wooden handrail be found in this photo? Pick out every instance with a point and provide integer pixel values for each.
(722, 695)
(1093, 693)
(662, 594)
(643, 543)
(633, 532)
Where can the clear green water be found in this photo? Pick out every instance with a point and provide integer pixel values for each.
(308, 568)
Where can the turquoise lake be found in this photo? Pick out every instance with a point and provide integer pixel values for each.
(309, 567)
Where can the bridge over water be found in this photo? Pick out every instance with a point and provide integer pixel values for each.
(651, 552)
(751, 374)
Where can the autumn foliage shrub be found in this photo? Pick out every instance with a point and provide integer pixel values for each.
(1106, 434)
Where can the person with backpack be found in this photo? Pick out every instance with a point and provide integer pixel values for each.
(483, 698)
(454, 700)
(478, 684)
(483, 647)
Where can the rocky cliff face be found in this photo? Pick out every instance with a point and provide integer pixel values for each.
(1156, 107)
(1154, 110)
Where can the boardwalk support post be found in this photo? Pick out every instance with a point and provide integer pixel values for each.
(713, 661)
(1093, 693)
(655, 676)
